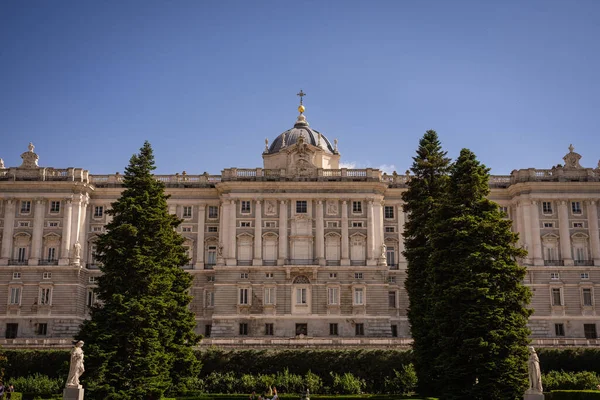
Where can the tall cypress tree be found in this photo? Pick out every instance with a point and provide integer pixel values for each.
(480, 300)
(138, 342)
(426, 188)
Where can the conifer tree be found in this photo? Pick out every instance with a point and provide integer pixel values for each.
(480, 300)
(426, 188)
(138, 342)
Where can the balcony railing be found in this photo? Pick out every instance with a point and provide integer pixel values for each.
(554, 263)
(358, 262)
(93, 266)
(48, 262)
(393, 266)
(580, 263)
(188, 266)
(17, 262)
(332, 263)
(244, 262)
(209, 266)
(300, 261)
(269, 262)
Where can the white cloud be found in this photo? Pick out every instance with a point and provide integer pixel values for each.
(387, 168)
(349, 165)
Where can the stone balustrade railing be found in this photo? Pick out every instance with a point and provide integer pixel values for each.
(45, 174)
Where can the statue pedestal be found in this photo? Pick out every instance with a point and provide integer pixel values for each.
(74, 393)
(533, 396)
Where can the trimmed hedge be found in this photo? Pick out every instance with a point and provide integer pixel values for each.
(52, 363)
(575, 395)
(570, 360)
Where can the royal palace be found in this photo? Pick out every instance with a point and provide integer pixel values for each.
(298, 252)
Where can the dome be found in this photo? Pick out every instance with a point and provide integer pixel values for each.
(301, 128)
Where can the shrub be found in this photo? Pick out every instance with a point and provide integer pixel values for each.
(403, 381)
(37, 385)
(555, 380)
(347, 384)
(575, 395)
(313, 382)
(222, 383)
(288, 383)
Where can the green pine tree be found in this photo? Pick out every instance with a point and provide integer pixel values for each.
(480, 300)
(426, 189)
(138, 342)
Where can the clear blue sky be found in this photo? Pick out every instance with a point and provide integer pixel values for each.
(206, 82)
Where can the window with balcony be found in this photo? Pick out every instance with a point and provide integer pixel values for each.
(55, 207)
(51, 254)
(546, 207)
(388, 212)
(301, 296)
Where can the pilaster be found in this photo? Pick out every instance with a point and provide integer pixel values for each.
(66, 233)
(401, 222)
(535, 233)
(592, 209)
(320, 233)
(345, 239)
(370, 234)
(231, 231)
(223, 228)
(565, 238)
(283, 236)
(200, 237)
(8, 231)
(38, 230)
(257, 233)
(527, 230)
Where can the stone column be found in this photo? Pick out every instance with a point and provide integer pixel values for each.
(538, 258)
(200, 237)
(527, 230)
(345, 239)
(83, 227)
(66, 233)
(370, 233)
(565, 238)
(76, 224)
(320, 234)
(257, 233)
(401, 221)
(378, 235)
(38, 231)
(223, 228)
(8, 231)
(231, 231)
(592, 210)
(283, 236)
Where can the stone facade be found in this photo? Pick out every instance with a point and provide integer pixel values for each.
(292, 254)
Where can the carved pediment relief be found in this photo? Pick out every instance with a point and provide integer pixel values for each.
(301, 157)
(550, 237)
(572, 159)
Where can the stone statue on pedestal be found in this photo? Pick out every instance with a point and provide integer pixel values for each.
(77, 250)
(535, 390)
(73, 389)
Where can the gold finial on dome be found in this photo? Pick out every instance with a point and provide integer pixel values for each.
(301, 107)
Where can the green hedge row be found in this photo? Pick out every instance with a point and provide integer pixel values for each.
(572, 360)
(574, 395)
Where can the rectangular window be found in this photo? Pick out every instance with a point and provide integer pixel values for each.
(556, 297)
(390, 229)
(186, 229)
(41, 329)
(23, 224)
(91, 297)
(547, 207)
(207, 330)
(559, 329)
(210, 299)
(45, 296)
(359, 296)
(54, 206)
(269, 275)
(25, 207)
(333, 296)
(187, 211)
(245, 207)
(47, 275)
(554, 275)
(577, 224)
(98, 211)
(392, 299)
(333, 274)
(244, 275)
(245, 224)
(270, 224)
(576, 207)
(210, 278)
(15, 296)
(584, 275)
(333, 329)
(391, 279)
(212, 229)
(301, 329)
(21, 254)
(92, 279)
(52, 224)
(269, 329)
(16, 275)
(244, 296)
(390, 255)
(357, 207)
(301, 207)
(358, 275)
(211, 255)
(551, 254)
(359, 329)
(269, 295)
(394, 330)
(301, 296)
(587, 297)
(243, 328)
(51, 253)
(357, 224)
(589, 330)
(548, 225)
(213, 212)
(333, 224)
(388, 212)
(12, 330)
(96, 229)
(503, 209)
